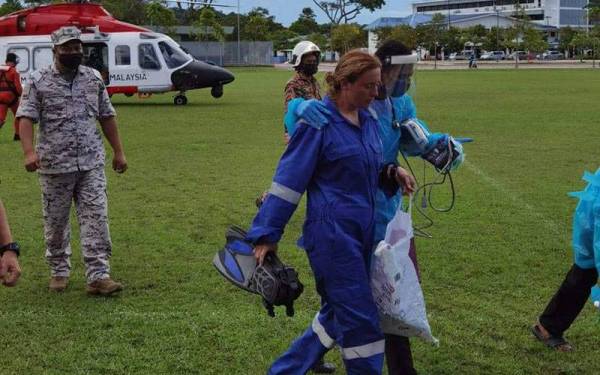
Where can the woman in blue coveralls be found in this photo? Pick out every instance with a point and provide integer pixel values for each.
(339, 167)
(392, 106)
(571, 296)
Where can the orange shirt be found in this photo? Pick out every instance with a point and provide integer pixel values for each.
(10, 84)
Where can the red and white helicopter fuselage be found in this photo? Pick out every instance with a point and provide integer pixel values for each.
(131, 59)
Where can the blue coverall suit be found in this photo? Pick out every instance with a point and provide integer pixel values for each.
(339, 168)
(573, 293)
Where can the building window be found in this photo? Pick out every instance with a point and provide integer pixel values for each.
(574, 17)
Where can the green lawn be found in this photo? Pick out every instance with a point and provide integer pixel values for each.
(493, 263)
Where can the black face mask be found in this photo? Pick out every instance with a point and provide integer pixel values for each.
(70, 60)
(309, 69)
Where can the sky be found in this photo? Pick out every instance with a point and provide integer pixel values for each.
(287, 11)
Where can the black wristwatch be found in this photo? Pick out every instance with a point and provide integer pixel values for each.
(13, 246)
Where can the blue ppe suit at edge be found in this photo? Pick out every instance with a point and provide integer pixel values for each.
(338, 166)
(586, 224)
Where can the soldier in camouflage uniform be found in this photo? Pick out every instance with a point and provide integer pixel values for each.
(66, 99)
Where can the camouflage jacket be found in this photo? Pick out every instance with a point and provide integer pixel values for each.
(302, 86)
(69, 139)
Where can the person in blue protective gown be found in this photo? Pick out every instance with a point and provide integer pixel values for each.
(574, 291)
(393, 105)
(339, 168)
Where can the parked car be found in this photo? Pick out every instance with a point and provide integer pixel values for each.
(462, 55)
(551, 55)
(493, 55)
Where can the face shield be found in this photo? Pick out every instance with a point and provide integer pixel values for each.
(398, 76)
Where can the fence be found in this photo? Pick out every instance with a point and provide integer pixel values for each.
(228, 53)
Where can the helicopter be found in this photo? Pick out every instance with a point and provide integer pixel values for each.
(131, 59)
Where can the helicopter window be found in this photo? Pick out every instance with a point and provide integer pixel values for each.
(23, 54)
(122, 55)
(42, 56)
(95, 55)
(173, 56)
(147, 57)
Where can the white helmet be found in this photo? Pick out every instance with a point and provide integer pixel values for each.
(302, 49)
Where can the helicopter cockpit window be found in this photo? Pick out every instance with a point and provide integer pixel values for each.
(173, 56)
(122, 55)
(147, 57)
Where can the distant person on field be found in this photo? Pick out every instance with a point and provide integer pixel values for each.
(66, 99)
(10, 91)
(571, 296)
(472, 61)
(10, 271)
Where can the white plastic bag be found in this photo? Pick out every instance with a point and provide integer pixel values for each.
(395, 284)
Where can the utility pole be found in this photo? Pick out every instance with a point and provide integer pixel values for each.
(239, 62)
(448, 6)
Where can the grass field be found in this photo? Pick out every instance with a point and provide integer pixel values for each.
(493, 263)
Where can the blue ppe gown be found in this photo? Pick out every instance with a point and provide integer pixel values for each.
(338, 166)
(586, 224)
(388, 111)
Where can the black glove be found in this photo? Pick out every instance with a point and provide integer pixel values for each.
(387, 180)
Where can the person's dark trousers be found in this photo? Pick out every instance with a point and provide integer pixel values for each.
(569, 300)
(398, 356)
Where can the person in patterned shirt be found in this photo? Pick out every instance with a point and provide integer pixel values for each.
(66, 99)
(303, 85)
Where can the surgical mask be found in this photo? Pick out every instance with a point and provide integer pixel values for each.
(70, 60)
(309, 69)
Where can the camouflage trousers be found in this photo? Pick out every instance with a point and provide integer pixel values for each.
(88, 190)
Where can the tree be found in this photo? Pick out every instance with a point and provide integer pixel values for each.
(257, 25)
(402, 33)
(347, 37)
(132, 11)
(343, 11)
(430, 34)
(207, 27)
(534, 41)
(320, 40)
(283, 39)
(306, 23)
(10, 6)
(565, 37)
(158, 15)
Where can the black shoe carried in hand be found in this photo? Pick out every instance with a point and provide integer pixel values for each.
(16, 138)
(323, 367)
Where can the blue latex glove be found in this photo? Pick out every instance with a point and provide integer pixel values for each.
(595, 297)
(314, 112)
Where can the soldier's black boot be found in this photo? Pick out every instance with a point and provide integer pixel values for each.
(16, 138)
(322, 367)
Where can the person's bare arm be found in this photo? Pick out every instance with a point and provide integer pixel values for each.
(109, 128)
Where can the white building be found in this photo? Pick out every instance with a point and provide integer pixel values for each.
(557, 13)
(460, 20)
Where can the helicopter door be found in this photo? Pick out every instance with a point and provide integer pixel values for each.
(95, 55)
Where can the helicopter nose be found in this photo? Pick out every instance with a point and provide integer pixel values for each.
(198, 74)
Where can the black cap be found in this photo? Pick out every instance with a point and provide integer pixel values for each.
(11, 58)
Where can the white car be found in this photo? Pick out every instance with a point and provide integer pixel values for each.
(493, 55)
